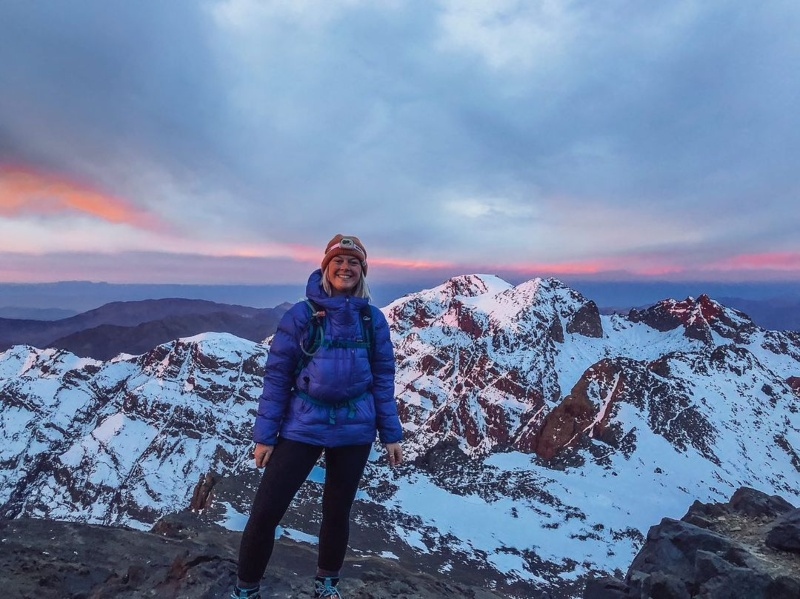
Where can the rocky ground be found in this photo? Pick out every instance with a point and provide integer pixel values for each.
(748, 548)
(182, 558)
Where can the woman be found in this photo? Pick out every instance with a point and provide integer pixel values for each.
(326, 395)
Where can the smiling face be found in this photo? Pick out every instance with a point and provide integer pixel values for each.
(344, 273)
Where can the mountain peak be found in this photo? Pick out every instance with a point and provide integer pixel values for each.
(699, 317)
(473, 285)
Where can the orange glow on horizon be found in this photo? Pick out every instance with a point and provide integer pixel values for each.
(25, 190)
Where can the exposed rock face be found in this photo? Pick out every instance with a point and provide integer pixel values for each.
(565, 423)
(746, 549)
(201, 496)
(586, 321)
(794, 383)
(591, 408)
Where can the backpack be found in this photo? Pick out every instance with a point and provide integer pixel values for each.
(315, 338)
(315, 335)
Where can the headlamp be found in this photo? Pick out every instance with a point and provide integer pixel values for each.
(346, 243)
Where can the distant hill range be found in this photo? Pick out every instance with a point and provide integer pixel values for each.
(25, 313)
(776, 314)
(138, 326)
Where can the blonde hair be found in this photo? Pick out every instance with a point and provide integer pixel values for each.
(361, 290)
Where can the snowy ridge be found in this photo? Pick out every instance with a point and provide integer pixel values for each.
(545, 438)
(124, 436)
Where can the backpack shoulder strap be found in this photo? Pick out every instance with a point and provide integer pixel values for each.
(368, 328)
(314, 332)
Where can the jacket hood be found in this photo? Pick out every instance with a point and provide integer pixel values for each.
(315, 292)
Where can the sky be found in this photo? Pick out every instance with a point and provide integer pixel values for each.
(226, 141)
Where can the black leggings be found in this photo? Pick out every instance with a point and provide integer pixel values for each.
(288, 466)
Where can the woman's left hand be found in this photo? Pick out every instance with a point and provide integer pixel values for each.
(395, 453)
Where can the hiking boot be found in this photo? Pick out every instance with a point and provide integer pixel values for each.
(325, 586)
(240, 593)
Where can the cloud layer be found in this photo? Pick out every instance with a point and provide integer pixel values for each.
(537, 138)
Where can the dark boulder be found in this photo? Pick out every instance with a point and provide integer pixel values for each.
(744, 549)
(785, 535)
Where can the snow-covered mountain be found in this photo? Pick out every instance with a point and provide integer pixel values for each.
(544, 438)
(123, 441)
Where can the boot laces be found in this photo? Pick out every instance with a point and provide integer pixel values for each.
(326, 589)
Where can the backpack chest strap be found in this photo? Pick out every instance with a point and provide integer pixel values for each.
(345, 343)
(350, 404)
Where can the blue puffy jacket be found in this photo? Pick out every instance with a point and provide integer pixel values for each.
(341, 397)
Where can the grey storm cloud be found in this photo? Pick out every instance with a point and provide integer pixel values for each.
(96, 73)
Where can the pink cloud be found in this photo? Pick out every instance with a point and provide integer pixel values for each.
(406, 263)
(765, 260)
(26, 190)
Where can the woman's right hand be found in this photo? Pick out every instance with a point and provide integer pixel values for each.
(262, 454)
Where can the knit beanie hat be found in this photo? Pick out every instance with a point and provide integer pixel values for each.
(345, 245)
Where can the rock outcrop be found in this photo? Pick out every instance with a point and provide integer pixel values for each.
(748, 548)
